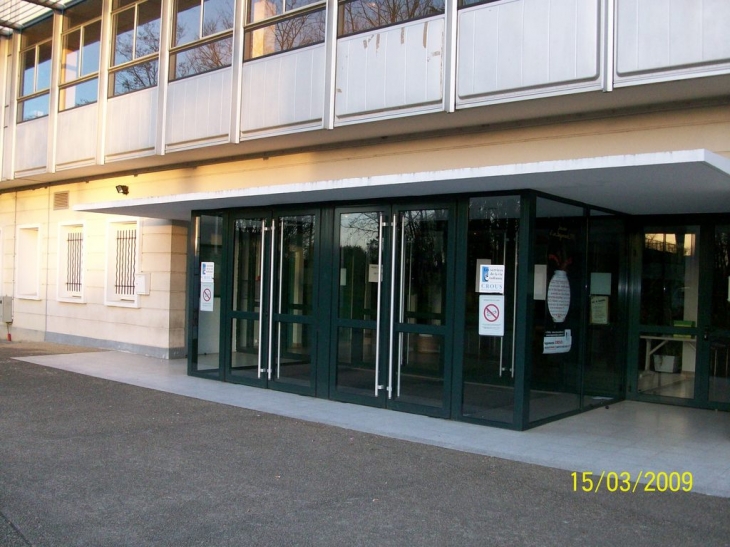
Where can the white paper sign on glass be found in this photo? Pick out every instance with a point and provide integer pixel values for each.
(491, 315)
(559, 341)
(206, 296)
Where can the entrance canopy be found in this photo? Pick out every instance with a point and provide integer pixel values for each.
(681, 182)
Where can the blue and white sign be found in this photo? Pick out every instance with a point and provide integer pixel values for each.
(207, 271)
(491, 278)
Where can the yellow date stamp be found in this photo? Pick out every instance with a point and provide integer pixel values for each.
(625, 482)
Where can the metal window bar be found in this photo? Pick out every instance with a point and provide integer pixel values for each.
(126, 257)
(74, 253)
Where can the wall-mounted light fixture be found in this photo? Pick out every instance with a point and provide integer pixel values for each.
(122, 189)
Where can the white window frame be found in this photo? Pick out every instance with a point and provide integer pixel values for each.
(69, 82)
(111, 298)
(24, 252)
(62, 293)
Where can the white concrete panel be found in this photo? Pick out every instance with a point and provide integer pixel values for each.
(199, 108)
(80, 122)
(662, 35)
(512, 46)
(394, 68)
(31, 145)
(536, 67)
(131, 122)
(283, 90)
(715, 25)
(7, 153)
(509, 48)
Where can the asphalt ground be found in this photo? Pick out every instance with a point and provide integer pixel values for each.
(86, 461)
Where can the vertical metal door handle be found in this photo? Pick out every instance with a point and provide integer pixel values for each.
(377, 314)
(261, 296)
(278, 324)
(271, 294)
(392, 310)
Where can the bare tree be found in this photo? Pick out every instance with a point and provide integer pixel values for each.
(360, 15)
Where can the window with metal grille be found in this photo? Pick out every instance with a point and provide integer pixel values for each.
(74, 261)
(70, 286)
(126, 262)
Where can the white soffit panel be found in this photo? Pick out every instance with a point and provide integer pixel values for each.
(689, 181)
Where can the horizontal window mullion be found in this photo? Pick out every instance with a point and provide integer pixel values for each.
(138, 61)
(203, 41)
(78, 81)
(34, 95)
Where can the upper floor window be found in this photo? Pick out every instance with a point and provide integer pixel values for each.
(35, 71)
(280, 25)
(135, 54)
(202, 37)
(362, 15)
(80, 58)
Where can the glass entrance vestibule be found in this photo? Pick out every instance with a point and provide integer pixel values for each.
(507, 310)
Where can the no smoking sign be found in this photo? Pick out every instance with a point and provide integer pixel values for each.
(491, 315)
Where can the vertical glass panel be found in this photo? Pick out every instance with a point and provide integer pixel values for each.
(423, 266)
(123, 37)
(71, 56)
(217, 16)
(488, 379)
(356, 361)
(148, 28)
(187, 22)
(206, 323)
(603, 373)
(720, 320)
(359, 247)
(296, 265)
(81, 94)
(90, 54)
(293, 353)
(420, 375)
(245, 348)
(43, 76)
(27, 85)
(558, 309)
(669, 298)
(247, 265)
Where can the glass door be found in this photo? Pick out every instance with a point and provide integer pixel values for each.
(421, 305)
(360, 306)
(717, 333)
(670, 282)
(272, 301)
(392, 311)
(248, 361)
(292, 321)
